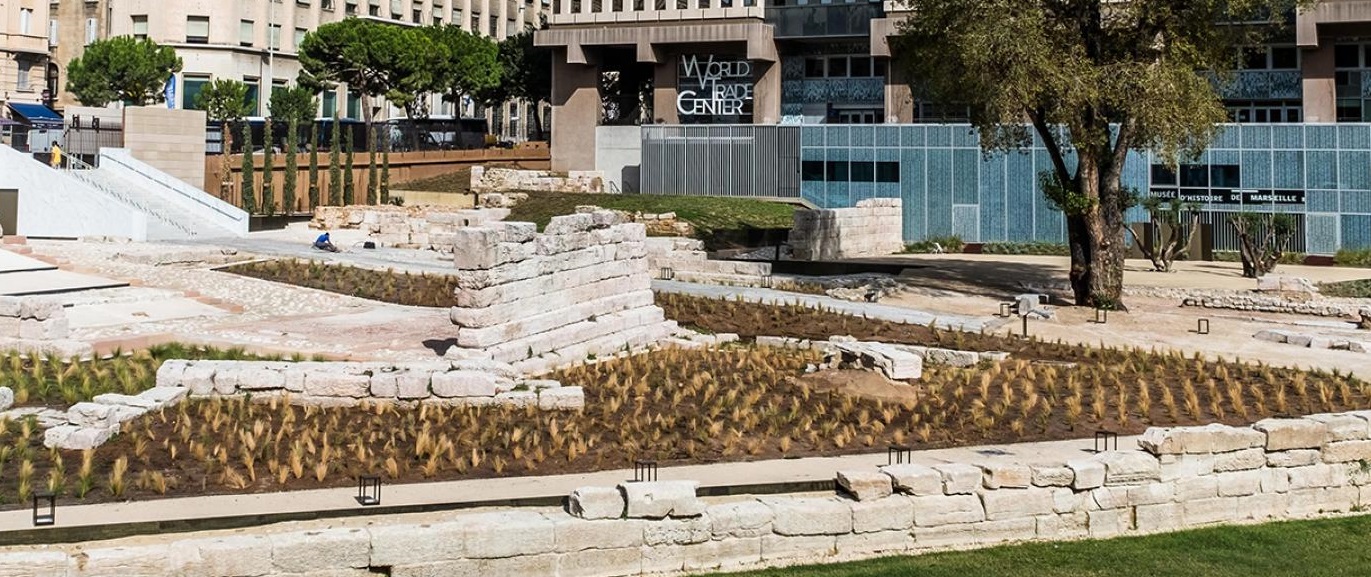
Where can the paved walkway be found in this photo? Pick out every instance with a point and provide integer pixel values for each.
(871, 310)
(716, 475)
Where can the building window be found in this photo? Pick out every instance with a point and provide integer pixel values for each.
(252, 96)
(190, 90)
(25, 20)
(91, 31)
(494, 25)
(350, 9)
(246, 33)
(417, 16)
(457, 16)
(299, 39)
(21, 82)
(327, 5)
(52, 33)
(1347, 56)
(887, 172)
(1279, 58)
(354, 110)
(396, 9)
(330, 103)
(1261, 111)
(274, 36)
(140, 26)
(197, 29)
(373, 10)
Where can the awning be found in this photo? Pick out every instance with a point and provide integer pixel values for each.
(37, 115)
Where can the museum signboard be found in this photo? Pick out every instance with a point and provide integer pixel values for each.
(714, 90)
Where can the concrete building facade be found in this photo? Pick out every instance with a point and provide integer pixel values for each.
(24, 26)
(255, 41)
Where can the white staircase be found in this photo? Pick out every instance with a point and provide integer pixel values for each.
(174, 210)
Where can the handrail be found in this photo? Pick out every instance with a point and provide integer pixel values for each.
(175, 189)
(76, 167)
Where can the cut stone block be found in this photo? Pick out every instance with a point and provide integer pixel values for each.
(915, 479)
(1285, 434)
(865, 485)
(661, 499)
(597, 503)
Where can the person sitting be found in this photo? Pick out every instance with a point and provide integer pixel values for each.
(324, 243)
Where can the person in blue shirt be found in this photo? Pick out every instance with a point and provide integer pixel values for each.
(324, 243)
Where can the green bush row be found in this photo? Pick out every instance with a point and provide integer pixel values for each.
(1027, 248)
(950, 244)
(1235, 256)
(1360, 258)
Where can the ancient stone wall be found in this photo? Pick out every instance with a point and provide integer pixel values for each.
(684, 259)
(873, 228)
(541, 300)
(38, 325)
(421, 227)
(1184, 478)
(485, 180)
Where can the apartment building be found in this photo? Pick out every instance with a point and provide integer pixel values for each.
(23, 50)
(255, 41)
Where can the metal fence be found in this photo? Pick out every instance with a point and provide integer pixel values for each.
(714, 160)
(84, 137)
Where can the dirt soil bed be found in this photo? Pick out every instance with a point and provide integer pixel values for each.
(402, 288)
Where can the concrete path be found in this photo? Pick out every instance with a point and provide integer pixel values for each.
(14, 263)
(45, 282)
(716, 475)
(870, 310)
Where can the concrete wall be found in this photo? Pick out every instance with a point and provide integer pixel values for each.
(1185, 478)
(619, 155)
(541, 300)
(55, 204)
(210, 211)
(872, 228)
(173, 141)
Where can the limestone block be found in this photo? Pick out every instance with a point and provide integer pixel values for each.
(596, 503)
(1265, 506)
(578, 534)
(518, 399)
(676, 531)
(1243, 460)
(1197, 488)
(1006, 475)
(464, 383)
(1129, 467)
(31, 562)
(507, 534)
(384, 385)
(947, 510)
(740, 519)
(92, 415)
(78, 438)
(1086, 474)
(10, 306)
(883, 542)
(294, 380)
(413, 384)
(1014, 503)
(40, 309)
(1158, 518)
(597, 562)
(1176, 467)
(226, 379)
(6, 398)
(1151, 494)
(1300, 340)
(228, 555)
(410, 544)
(10, 327)
(336, 385)
(1209, 511)
(1273, 335)
(810, 516)
(1283, 434)
(47, 330)
(1109, 498)
(1347, 451)
(562, 399)
(1006, 531)
(304, 551)
(865, 485)
(1105, 524)
(792, 548)
(1052, 475)
(1344, 426)
(260, 379)
(1313, 476)
(1239, 483)
(1213, 438)
(913, 479)
(944, 536)
(1068, 501)
(171, 372)
(894, 513)
(959, 479)
(660, 499)
(499, 369)
(1275, 480)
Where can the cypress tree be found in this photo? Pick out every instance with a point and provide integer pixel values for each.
(248, 186)
(313, 165)
(268, 170)
(348, 189)
(292, 167)
(372, 183)
(385, 171)
(335, 173)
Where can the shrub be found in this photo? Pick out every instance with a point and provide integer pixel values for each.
(1034, 248)
(950, 243)
(1356, 289)
(1359, 258)
(1235, 256)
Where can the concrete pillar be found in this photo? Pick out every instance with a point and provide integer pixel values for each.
(665, 78)
(1320, 93)
(899, 99)
(575, 114)
(766, 97)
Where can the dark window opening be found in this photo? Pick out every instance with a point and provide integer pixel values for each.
(1163, 175)
(837, 171)
(887, 172)
(1224, 176)
(863, 172)
(1194, 175)
(812, 171)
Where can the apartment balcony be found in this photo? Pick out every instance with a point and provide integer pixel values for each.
(647, 11)
(24, 44)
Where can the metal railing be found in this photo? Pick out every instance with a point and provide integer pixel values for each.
(218, 206)
(79, 170)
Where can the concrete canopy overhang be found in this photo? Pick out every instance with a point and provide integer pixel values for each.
(649, 39)
(881, 31)
(1329, 13)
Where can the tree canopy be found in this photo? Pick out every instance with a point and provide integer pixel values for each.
(295, 103)
(469, 65)
(121, 69)
(1091, 80)
(224, 100)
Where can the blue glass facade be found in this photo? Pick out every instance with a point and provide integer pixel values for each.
(1319, 171)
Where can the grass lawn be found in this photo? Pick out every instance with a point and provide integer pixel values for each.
(708, 214)
(1330, 547)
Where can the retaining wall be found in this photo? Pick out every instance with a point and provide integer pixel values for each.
(541, 300)
(38, 325)
(1184, 478)
(507, 179)
(421, 227)
(688, 262)
(873, 228)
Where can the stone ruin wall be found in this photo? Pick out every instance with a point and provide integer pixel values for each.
(422, 227)
(1184, 478)
(542, 300)
(685, 259)
(875, 227)
(38, 325)
(484, 180)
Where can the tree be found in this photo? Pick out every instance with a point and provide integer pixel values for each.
(347, 172)
(385, 171)
(525, 74)
(1093, 80)
(335, 173)
(1262, 239)
(294, 105)
(249, 194)
(313, 165)
(121, 69)
(225, 101)
(1179, 221)
(268, 168)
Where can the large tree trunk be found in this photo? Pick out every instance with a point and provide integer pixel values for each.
(1099, 282)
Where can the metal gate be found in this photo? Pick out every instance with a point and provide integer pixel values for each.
(85, 136)
(721, 160)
